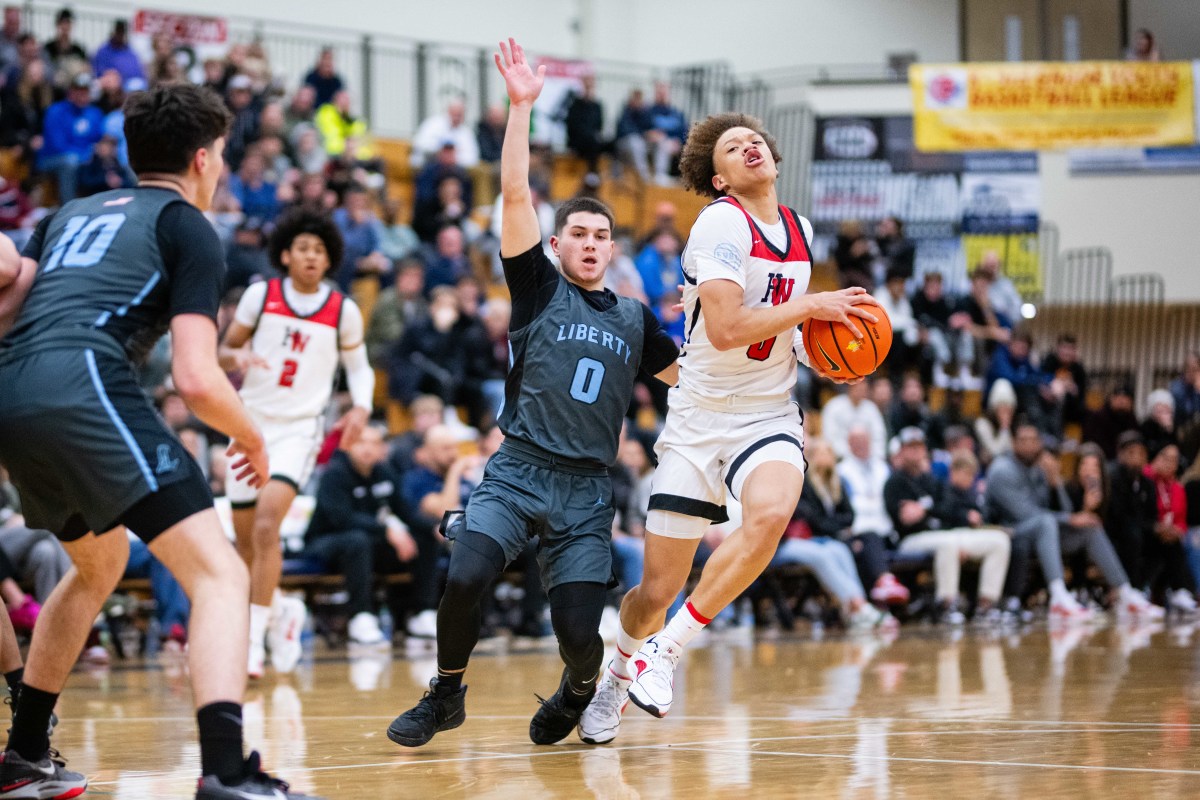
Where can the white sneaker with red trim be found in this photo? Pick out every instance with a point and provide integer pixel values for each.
(1133, 604)
(1069, 612)
(283, 637)
(652, 669)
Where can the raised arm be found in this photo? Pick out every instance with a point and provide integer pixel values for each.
(519, 229)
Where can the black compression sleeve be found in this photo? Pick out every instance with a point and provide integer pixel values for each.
(194, 259)
(659, 350)
(532, 281)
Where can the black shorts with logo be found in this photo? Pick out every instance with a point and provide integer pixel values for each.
(85, 447)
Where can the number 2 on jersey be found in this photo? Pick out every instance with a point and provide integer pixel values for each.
(288, 376)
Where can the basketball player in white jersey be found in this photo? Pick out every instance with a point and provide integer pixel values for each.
(731, 427)
(287, 338)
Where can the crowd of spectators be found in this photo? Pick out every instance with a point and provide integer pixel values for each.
(894, 487)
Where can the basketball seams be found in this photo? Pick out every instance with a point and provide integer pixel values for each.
(841, 355)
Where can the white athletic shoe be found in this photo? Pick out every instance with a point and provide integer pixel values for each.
(1181, 600)
(1133, 604)
(364, 630)
(653, 671)
(423, 625)
(258, 661)
(283, 637)
(602, 717)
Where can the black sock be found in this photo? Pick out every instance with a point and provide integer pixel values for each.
(576, 696)
(448, 682)
(28, 736)
(13, 679)
(221, 741)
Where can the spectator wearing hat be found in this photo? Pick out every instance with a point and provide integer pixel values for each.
(1158, 427)
(1105, 426)
(1131, 509)
(324, 79)
(246, 109)
(70, 130)
(1167, 573)
(995, 429)
(104, 170)
(451, 125)
(116, 54)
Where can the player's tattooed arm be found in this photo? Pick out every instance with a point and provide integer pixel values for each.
(519, 229)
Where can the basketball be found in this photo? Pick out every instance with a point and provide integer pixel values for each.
(834, 353)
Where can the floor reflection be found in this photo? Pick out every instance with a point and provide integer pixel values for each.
(1080, 712)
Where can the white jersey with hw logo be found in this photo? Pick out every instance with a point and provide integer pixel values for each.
(732, 409)
(771, 263)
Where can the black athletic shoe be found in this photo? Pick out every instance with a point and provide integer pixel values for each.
(254, 784)
(557, 718)
(46, 778)
(432, 714)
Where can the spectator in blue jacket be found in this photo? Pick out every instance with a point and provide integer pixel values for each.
(258, 197)
(659, 265)
(116, 54)
(361, 230)
(1037, 399)
(70, 131)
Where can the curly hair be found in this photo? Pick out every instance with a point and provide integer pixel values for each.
(300, 221)
(696, 163)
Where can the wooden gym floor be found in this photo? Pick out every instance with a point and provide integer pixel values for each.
(1111, 712)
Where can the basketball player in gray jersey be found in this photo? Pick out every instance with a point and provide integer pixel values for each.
(99, 282)
(576, 351)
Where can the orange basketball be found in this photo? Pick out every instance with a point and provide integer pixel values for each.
(834, 353)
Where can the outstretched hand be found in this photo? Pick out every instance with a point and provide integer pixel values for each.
(523, 84)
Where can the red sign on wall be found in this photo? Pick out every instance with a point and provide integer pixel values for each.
(182, 28)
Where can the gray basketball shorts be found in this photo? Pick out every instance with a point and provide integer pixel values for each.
(572, 514)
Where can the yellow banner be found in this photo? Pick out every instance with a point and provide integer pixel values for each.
(1043, 106)
(1019, 253)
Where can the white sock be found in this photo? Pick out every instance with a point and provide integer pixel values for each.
(684, 626)
(1059, 593)
(260, 616)
(626, 646)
